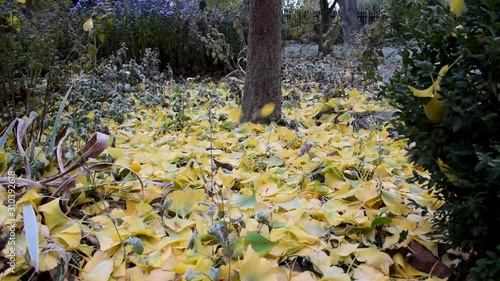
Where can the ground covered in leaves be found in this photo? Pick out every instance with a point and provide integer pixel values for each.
(183, 191)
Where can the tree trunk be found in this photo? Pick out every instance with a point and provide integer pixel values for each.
(263, 71)
(324, 25)
(350, 22)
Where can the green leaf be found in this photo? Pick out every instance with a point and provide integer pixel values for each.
(6, 133)
(381, 221)
(244, 202)
(52, 143)
(229, 125)
(100, 37)
(261, 245)
(91, 51)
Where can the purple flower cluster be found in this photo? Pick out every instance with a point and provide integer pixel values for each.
(136, 8)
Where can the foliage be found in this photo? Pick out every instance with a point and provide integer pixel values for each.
(370, 5)
(299, 24)
(37, 46)
(454, 122)
(334, 34)
(114, 89)
(222, 200)
(402, 13)
(370, 44)
(187, 37)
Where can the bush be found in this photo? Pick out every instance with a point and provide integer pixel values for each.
(36, 48)
(188, 37)
(453, 125)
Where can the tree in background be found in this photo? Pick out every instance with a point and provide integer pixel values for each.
(263, 72)
(324, 25)
(350, 22)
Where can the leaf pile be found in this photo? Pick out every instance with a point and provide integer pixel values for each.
(309, 198)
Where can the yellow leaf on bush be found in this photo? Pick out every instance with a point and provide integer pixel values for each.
(456, 7)
(427, 93)
(434, 109)
(88, 25)
(447, 171)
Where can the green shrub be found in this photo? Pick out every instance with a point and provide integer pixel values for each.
(402, 13)
(189, 38)
(36, 48)
(455, 133)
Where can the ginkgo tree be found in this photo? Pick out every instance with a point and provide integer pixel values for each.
(263, 72)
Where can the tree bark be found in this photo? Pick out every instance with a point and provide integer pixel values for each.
(324, 25)
(350, 22)
(263, 71)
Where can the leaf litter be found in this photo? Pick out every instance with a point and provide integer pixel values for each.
(195, 195)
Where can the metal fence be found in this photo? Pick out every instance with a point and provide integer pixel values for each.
(300, 18)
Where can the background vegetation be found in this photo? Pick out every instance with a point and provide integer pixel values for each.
(94, 64)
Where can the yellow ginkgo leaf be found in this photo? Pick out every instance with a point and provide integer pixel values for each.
(391, 200)
(456, 7)
(53, 215)
(427, 93)
(101, 272)
(69, 238)
(235, 114)
(14, 21)
(185, 201)
(108, 237)
(32, 197)
(49, 259)
(434, 109)
(88, 25)
(256, 268)
(373, 257)
(345, 249)
(366, 272)
(91, 115)
(21, 1)
(447, 171)
(443, 70)
(267, 110)
(135, 166)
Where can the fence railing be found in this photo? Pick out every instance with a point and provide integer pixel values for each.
(300, 18)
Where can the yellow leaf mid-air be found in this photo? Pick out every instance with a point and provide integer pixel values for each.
(88, 25)
(267, 110)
